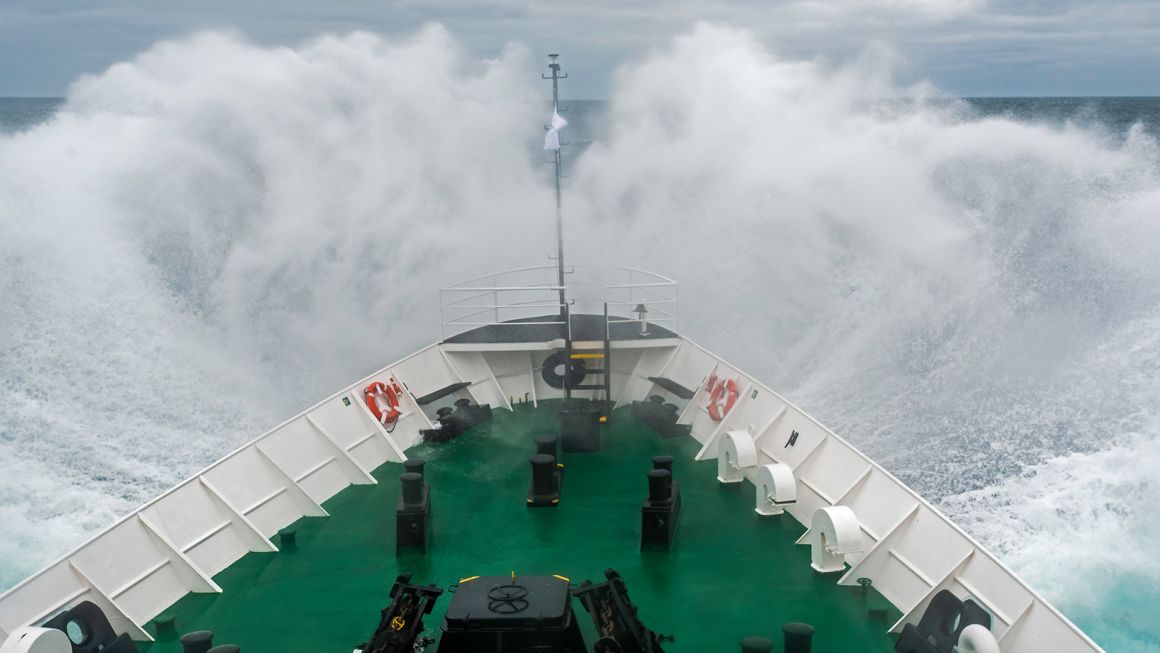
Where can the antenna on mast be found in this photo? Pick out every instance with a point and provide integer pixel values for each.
(552, 142)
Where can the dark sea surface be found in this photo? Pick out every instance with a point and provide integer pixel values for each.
(1116, 115)
(20, 113)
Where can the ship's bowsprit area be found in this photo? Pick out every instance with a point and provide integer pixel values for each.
(501, 541)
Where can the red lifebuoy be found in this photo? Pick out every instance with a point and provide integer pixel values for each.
(383, 401)
(723, 390)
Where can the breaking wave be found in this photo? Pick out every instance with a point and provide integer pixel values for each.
(209, 236)
(206, 238)
(973, 301)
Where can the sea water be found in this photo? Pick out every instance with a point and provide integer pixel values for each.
(196, 243)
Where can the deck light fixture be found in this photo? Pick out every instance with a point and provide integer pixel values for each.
(641, 312)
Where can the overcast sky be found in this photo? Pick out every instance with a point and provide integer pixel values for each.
(967, 47)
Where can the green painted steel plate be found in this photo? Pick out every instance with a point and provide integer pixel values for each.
(731, 574)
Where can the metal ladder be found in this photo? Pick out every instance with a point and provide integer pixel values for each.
(591, 350)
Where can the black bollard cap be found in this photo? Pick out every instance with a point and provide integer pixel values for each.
(797, 637)
(288, 538)
(546, 444)
(199, 641)
(415, 465)
(165, 623)
(226, 648)
(797, 628)
(756, 645)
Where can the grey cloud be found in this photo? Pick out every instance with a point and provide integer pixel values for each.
(971, 47)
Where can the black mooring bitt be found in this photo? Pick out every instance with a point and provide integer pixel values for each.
(413, 513)
(662, 507)
(547, 478)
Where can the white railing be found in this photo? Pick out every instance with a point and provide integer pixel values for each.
(532, 296)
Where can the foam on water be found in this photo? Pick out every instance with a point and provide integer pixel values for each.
(214, 234)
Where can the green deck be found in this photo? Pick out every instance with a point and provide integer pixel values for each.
(731, 573)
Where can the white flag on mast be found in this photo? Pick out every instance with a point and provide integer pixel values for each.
(552, 138)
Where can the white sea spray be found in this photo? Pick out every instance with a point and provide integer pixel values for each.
(206, 238)
(214, 234)
(973, 301)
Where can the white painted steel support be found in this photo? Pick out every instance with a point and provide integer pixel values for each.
(986, 601)
(854, 486)
(812, 453)
(495, 381)
(400, 455)
(625, 399)
(110, 607)
(306, 504)
(195, 579)
(775, 488)
(415, 408)
(455, 372)
(767, 428)
(899, 527)
(354, 471)
(698, 393)
(817, 490)
(254, 539)
(1009, 636)
(64, 601)
(915, 611)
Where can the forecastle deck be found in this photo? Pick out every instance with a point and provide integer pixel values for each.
(721, 582)
(201, 535)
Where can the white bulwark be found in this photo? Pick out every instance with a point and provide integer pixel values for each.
(177, 542)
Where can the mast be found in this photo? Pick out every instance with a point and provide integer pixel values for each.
(554, 66)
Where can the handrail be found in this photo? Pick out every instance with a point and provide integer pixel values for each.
(491, 288)
(506, 272)
(570, 270)
(526, 293)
